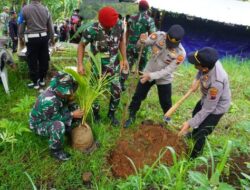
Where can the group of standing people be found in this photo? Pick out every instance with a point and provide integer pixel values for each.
(107, 38)
(33, 27)
(68, 28)
(9, 28)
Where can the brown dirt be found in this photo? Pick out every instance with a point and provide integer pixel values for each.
(143, 148)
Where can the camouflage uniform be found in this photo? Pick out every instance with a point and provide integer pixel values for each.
(108, 46)
(51, 114)
(4, 21)
(138, 24)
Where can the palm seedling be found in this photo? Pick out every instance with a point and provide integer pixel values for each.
(90, 87)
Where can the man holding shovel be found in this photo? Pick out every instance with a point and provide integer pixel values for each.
(168, 54)
(215, 100)
(53, 113)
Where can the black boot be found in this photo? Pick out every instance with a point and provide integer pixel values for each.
(122, 82)
(68, 134)
(97, 117)
(130, 121)
(114, 121)
(60, 154)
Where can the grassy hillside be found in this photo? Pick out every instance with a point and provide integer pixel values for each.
(24, 155)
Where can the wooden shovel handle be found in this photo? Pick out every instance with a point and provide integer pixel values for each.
(177, 104)
(194, 87)
(139, 58)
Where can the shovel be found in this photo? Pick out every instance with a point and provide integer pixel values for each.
(133, 86)
(168, 114)
(139, 59)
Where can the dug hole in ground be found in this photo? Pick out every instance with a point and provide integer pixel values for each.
(143, 147)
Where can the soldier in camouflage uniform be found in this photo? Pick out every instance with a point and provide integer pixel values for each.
(136, 25)
(53, 113)
(106, 37)
(4, 22)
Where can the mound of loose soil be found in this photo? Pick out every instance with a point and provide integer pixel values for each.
(143, 148)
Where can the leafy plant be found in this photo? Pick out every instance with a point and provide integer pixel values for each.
(81, 29)
(6, 137)
(90, 86)
(214, 181)
(24, 106)
(13, 127)
(9, 131)
(31, 181)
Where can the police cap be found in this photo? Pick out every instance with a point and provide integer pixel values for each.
(205, 57)
(174, 36)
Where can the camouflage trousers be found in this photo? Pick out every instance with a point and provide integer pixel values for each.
(55, 130)
(133, 55)
(115, 90)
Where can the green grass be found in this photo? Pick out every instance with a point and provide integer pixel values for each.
(27, 160)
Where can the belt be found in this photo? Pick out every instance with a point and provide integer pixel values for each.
(43, 34)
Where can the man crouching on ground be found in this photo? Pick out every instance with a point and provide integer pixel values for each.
(51, 115)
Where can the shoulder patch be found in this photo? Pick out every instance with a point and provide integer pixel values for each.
(153, 36)
(162, 43)
(180, 58)
(213, 93)
(155, 50)
(167, 61)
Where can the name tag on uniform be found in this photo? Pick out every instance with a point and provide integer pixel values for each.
(168, 61)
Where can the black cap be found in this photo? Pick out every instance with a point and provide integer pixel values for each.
(206, 57)
(174, 35)
(12, 12)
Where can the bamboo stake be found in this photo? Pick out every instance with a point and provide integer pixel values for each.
(132, 87)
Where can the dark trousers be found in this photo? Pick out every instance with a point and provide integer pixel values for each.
(164, 93)
(14, 45)
(38, 58)
(205, 128)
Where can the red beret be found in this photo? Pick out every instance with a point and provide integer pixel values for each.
(108, 17)
(143, 5)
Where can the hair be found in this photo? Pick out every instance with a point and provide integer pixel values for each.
(120, 16)
(127, 17)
